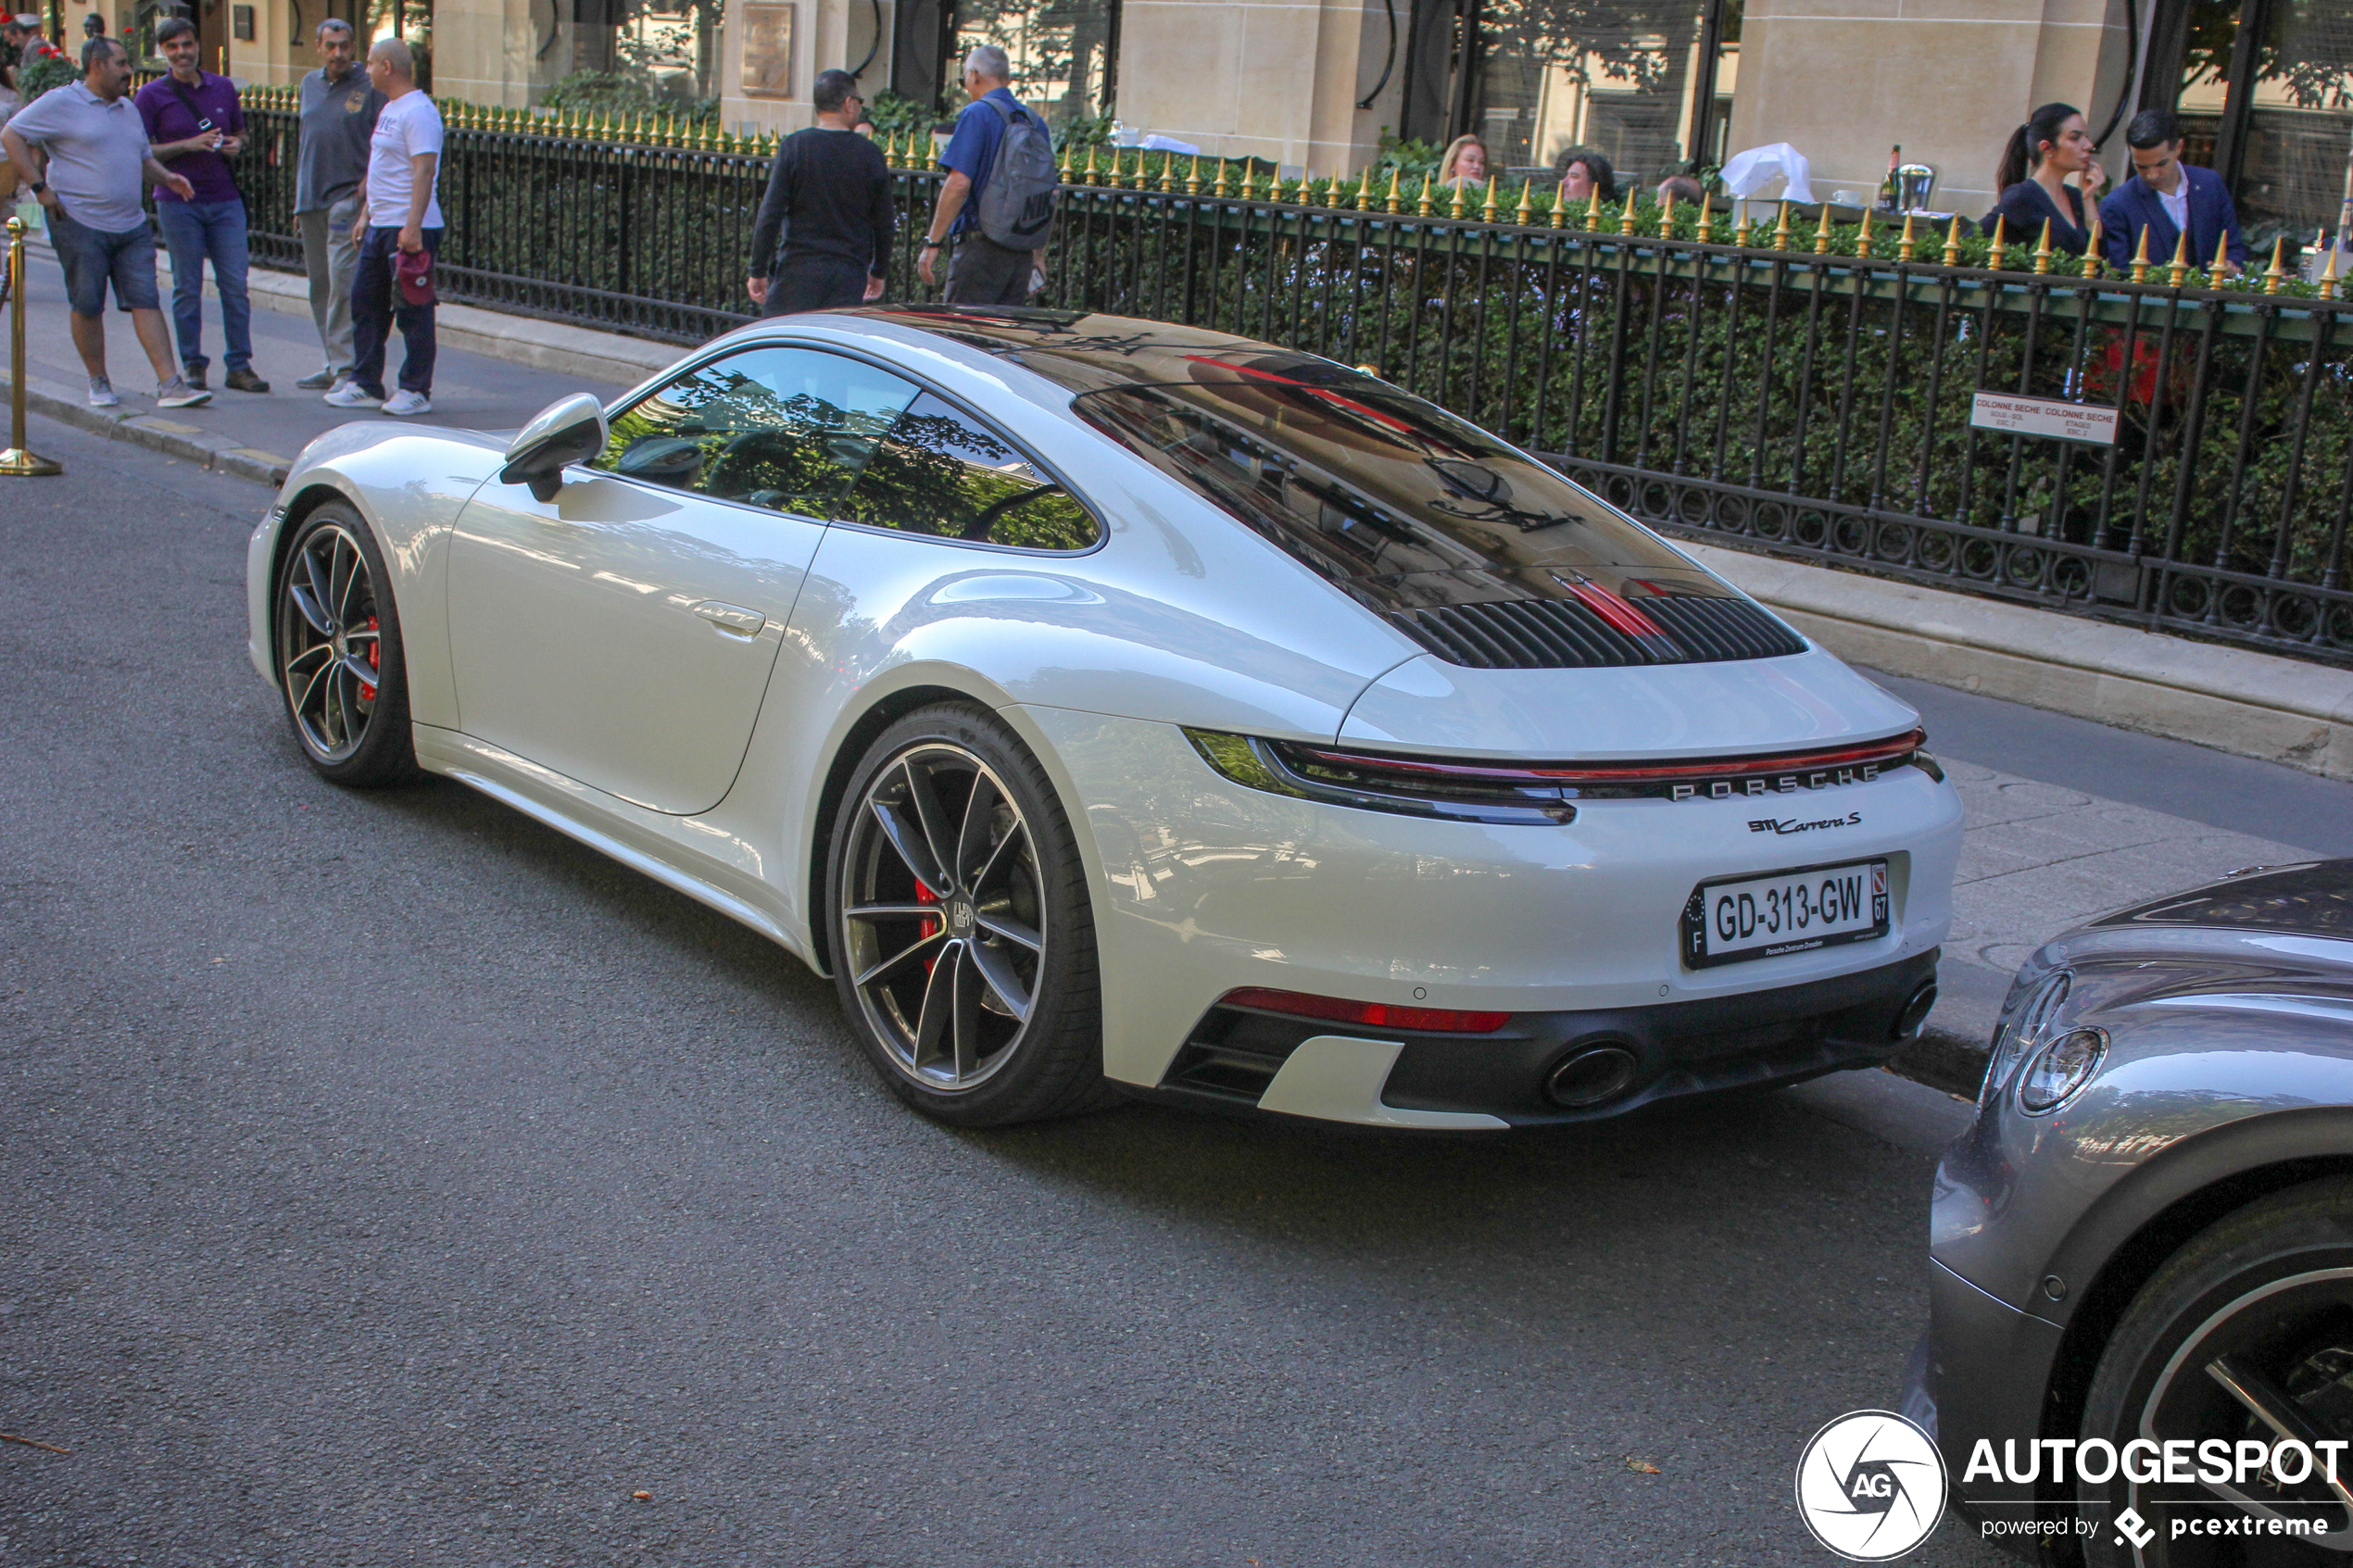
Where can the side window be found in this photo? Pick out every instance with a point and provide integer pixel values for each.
(942, 473)
(789, 429)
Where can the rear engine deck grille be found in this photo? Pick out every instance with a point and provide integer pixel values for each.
(1567, 635)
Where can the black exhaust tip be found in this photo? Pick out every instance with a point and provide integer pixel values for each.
(1590, 1076)
(1914, 1012)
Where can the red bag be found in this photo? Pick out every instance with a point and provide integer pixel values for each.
(412, 269)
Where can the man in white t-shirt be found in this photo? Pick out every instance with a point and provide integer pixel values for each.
(398, 233)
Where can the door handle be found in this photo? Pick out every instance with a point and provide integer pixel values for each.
(732, 617)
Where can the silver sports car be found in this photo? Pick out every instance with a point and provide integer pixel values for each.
(2141, 1347)
(1106, 703)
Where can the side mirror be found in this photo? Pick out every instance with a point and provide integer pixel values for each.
(563, 433)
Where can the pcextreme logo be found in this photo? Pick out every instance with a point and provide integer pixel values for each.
(1870, 1486)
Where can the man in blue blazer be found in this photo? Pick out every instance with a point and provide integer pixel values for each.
(2166, 196)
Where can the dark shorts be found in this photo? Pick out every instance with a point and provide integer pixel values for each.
(984, 272)
(93, 259)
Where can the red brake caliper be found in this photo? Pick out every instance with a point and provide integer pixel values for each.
(931, 925)
(367, 692)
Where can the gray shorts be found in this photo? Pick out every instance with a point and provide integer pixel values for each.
(93, 259)
(984, 272)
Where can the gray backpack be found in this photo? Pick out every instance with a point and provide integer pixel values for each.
(1017, 204)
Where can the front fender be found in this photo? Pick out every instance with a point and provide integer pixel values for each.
(408, 487)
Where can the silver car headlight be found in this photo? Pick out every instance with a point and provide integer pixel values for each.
(2020, 1029)
(2061, 1072)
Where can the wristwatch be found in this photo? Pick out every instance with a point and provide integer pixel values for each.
(933, 244)
(37, 187)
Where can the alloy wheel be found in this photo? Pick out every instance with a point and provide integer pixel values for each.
(942, 927)
(329, 642)
(2276, 1362)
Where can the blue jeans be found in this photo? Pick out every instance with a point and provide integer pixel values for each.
(376, 305)
(192, 232)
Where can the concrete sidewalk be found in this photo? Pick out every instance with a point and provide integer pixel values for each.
(256, 436)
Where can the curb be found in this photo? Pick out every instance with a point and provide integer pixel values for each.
(155, 431)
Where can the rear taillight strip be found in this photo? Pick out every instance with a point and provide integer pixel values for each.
(1881, 751)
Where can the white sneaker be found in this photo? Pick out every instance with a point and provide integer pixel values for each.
(102, 394)
(177, 393)
(348, 396)
(402, 404)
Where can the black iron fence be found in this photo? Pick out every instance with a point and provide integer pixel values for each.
(1872, 399)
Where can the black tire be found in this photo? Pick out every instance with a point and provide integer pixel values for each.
(334, 624)
(1021, 1030)
(2266, 1294)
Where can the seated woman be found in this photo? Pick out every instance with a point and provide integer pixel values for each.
(1586, 176)
(1465, 163)
(2042, 154)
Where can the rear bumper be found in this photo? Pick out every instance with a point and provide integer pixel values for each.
(1759, 1039)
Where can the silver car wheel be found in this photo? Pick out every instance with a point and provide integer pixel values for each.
(943, 930)
(328, 643)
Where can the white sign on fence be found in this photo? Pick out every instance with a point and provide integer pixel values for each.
(2043, 416)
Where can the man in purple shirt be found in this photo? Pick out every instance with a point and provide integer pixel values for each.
(196, 122)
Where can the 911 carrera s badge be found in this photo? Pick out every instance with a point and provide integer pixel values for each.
(1795, 824)
(1870, 1486)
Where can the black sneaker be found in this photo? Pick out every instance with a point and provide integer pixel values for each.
(242, 380)
(194, 376)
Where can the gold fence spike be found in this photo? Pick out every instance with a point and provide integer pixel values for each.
(1456, 209)
(2093, 258)
(1781, 230)
(1192, 177)
(1702, 233)
(2042, 251)
(1396, 201)
(1221, 189)
(1088, 174)
(1169, 184)
(1952, 243)
(2328, 278)
(1426, 207)
(1560, 211)
(1822, 232)
(2275, 274)
(1525, 213)
(1739, 231)
(1625, 215)
(1667, 218)
(2180, 267)
(1863, 240)
(1487, 209)
(1593, 212)
(2001, 232)
(2141, 257)
(2221, 254)
(1908, 245)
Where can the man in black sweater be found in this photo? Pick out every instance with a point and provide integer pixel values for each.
(829, 195)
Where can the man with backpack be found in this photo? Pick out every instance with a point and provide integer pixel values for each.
(997, 200)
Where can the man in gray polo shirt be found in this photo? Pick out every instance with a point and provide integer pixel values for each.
(339, 110)
(81, 150)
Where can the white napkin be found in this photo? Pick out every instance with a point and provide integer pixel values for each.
(1746, 173)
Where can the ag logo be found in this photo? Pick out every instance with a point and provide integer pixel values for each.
(1870, 1486)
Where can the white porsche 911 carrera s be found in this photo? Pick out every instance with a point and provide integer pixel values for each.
(1111, 707)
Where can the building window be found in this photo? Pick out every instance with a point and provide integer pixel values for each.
(1065, 53)
(2265, 92)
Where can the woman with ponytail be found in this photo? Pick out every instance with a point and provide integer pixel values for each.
(2051, 145)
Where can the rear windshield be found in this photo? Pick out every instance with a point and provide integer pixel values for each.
(2315, 899)
(1394, 497)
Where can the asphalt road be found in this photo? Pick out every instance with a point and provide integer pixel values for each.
(384, 1179)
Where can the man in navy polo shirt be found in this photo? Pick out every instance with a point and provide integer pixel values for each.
(196, 124)
(982, 271)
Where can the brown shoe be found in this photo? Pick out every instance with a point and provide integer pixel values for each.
(242, 379)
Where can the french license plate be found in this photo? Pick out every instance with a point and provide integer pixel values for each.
(1792, 911)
